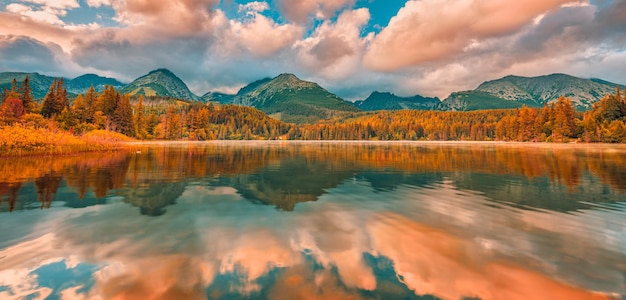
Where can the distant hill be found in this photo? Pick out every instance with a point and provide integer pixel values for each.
(473, 100)
(515, 91)
(291, 99)
(81, 84)
(217, 97)
(160, 82)
(41, 83)
(389, 101)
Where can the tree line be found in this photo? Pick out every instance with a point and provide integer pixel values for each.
(182, 120)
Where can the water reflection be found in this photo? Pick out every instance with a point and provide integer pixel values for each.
(318, 221)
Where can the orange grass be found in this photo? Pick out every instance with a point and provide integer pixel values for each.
(17, 140)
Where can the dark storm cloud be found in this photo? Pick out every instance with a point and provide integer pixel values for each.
(21, 53)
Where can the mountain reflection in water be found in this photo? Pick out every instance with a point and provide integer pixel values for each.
(297, 220)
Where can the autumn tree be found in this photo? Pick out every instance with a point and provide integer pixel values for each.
(140, 120)
(122, 117)
(91, 99)
(80, 109)
(107, 101)
(55, 100)
(26, 96)
(11, 109)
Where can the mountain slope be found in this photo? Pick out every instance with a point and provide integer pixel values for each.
(548, 88)
(82, 83)
(39, 84)
(218, 97)
(474, 100)
(515, 91)
(160, 82)
(292, 100)
(389, 101)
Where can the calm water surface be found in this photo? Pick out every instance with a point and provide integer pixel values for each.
(316, 221)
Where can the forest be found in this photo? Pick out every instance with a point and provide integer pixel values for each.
(156, 118)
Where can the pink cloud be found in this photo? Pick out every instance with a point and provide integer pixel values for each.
(300, 11)
(426, 30)
(335, 50)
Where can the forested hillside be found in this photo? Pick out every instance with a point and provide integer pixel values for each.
(172, 119)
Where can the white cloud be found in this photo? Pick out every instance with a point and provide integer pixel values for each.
(46, 14)
(426, 30)
(300, 11)
(99, 3)
(334, 50)
(55, 4)
(253, 7)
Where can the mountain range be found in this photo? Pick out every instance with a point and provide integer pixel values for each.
(388, 101)
(41, 83)
(290, 99)
(515, 91)
(160, 82)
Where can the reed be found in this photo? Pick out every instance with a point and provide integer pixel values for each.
(18, 140)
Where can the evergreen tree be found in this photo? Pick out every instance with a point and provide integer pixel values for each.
(91, 104)
(80, 109)
(26, 96)
(564, 124)
(108, 100)
(140, 120)
(48, 106)
(122, 117)
(55, 100)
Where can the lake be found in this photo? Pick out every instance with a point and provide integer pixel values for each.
(308, 220)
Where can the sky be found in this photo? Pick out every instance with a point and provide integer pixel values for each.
(350, 47)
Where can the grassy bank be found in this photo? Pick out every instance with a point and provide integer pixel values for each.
(17, 140)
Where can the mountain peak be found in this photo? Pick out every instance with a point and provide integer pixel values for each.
(287, 76)
(160, 82)
(535, 91)
(388, 101)
(162, 70)
(292, 99)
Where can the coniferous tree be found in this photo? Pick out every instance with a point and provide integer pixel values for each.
(108, 100)
(48, 105)
(26, 95)
(122, 117)
(55, 100)
(140, 120)
(90, 98)
(80, 109)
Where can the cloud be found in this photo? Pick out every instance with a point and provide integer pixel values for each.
(46, 14)
(427, 48)
(300, 11)
(168, 19)
(334, 50)
(55, 4)
(256, 34)
(424, 31)
(98, 3)
(21, 53)
(253, 7)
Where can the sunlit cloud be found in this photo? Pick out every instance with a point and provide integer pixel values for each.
(426, 48)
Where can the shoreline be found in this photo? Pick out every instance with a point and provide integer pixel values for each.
(367, 142)
(129, 146)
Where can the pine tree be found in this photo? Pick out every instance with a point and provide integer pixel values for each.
(80, 109)
(108, 100)
(55, 100)
(564, 125)
(140, 120)
(48, 106)
(91, 104)
(62, 100)
(26, 96)
(122, 117)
